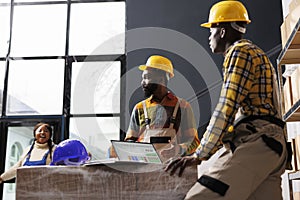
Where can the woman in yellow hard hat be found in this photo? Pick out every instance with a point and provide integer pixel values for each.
(246, 121)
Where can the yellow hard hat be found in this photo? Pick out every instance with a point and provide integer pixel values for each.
(227, 11)
(159, 62)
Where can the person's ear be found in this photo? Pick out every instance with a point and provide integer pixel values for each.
(222, 33)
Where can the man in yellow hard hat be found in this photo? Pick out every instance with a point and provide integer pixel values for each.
(246, 121)
(162, 118)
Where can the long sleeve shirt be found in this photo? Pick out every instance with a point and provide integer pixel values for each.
(247, 87)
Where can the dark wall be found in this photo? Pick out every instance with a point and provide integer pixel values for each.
(171, 28)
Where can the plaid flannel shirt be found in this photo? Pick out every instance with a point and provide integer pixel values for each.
(247, 87)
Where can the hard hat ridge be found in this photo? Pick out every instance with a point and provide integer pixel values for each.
(227, 11)
(159, 62)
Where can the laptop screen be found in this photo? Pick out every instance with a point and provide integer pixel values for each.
(136, 151)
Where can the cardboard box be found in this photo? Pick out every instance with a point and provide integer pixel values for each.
(297, 150)
(296, 195)
(295, 85)
(285, 7)
(289, 23)
(287, 94)
(292, 18)
(296, 189)
(284, 35)
(293, 5)
(293, 129)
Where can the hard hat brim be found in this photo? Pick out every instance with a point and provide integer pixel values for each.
(144, 67)
(206, 25)
(209, 24)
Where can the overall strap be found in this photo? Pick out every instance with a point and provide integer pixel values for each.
(46, 155)
(29, 152)
(172, 120)
(147, 120)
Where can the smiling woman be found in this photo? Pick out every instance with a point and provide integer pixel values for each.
(39, 153)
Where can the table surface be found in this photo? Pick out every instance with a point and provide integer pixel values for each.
(103, 181)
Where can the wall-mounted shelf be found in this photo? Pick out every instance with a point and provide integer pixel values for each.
(293, 114)
(290, 54)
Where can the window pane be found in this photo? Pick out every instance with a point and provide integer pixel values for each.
(2, 74)
(95, 87)
(95, 133)
(39, 30)
(20, 138)
(94, 26)
(35, 87)
(4, 29)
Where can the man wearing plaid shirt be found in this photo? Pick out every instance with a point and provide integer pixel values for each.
(246, 121)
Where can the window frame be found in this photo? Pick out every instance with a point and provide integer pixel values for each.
(61, 122)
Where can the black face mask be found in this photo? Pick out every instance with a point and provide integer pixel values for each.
(150, 89)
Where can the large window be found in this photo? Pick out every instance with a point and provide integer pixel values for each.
(39, 30)
(107, 22)
(95, 94)
(18, 139)
(35, 87)
(61, 60)
(2, 74)
(4, 24)
(95, 133)
(95, 87)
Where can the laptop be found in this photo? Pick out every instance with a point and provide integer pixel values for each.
(136, 152)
